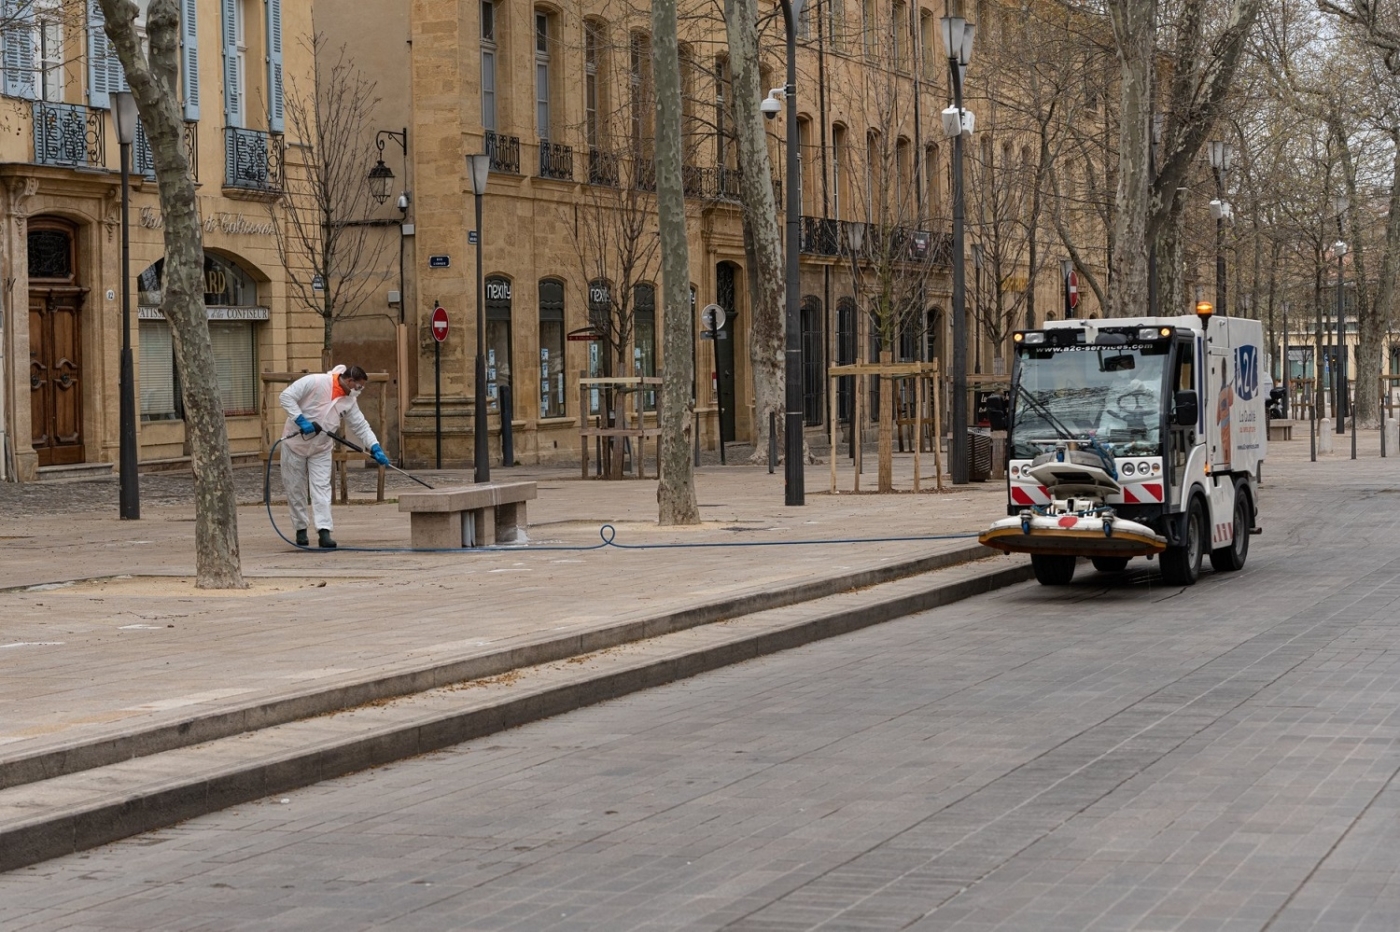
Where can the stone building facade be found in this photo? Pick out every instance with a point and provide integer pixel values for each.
(557, 94)
(60, 242)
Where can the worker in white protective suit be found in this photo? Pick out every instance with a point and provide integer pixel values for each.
(316, 404)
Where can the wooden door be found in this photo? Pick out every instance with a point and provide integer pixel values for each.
(55, 377)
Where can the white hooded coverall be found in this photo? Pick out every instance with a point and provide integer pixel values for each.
(307, 460)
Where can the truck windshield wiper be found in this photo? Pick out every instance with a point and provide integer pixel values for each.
(1105, 457)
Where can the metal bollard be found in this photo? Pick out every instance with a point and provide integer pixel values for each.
(772, 441)
(507, 435)
(695, 435)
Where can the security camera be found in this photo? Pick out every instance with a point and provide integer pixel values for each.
(771, 105)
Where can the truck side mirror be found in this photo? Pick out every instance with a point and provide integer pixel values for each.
(1186, 408)
(996, 412)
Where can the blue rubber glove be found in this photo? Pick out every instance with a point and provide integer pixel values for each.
(307, 428)
(379, 455)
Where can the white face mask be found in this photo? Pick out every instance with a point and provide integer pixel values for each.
(355, 392)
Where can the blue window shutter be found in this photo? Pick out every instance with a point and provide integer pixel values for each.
(232, 105)
(189, 57)
(274, 66)
(18, 51)
(105, 73)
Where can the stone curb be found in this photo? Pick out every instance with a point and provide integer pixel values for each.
(277, 709)
(171, 801)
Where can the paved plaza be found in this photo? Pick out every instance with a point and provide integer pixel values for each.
(1114, 755)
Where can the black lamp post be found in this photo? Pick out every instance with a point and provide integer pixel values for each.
(479, 173)
(957, 44)
(1339, 378)
(1339, 204)
(381, 178)
(794, 481)
(124, 115)
(1222, 155)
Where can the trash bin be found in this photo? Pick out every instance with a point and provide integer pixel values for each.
(979, 454)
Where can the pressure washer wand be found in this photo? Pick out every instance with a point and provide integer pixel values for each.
(342, 441)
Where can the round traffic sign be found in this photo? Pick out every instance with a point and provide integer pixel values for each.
(1073, 288)
(439, 323)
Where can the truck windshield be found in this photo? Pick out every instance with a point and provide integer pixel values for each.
(1112, 394)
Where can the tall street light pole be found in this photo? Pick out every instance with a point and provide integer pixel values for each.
(1341, 403)
(380, 179)
(124, 115)
(1221, 156)
(794, 480)
(957, 44)
(479, 171)
(1339, 378)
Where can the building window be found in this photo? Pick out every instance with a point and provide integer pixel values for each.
(644, 338)
(488, 66)
(238, 112)
(592, 54)
(639, 79)
(542, 43)
(836, 21)
(838, 165)
(551, 349)
(928, 45)
(933, 196)
(898, 26)
(868, 31)
(48, 49)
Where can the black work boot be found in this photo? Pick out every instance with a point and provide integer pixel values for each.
(301, 538)
(324, 539)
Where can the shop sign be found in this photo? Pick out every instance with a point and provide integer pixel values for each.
(226, 223)
(214, 313)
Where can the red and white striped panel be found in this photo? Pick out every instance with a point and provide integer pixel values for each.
(1029, 493)
(1143, 493)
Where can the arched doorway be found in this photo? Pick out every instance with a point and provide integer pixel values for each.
(55, 344)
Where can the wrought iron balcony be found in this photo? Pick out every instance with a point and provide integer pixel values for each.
(556, 161)
(69, 134)
(143, 160)
(821, 237)
(602, 168)
(643, 173)
(252, 160)
(504, 152)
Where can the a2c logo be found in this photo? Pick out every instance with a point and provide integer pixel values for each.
(1246, 372)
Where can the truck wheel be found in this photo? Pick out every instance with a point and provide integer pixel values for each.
(1110, 564)
(1052, 569)
(1230, 558)
(1181, 565)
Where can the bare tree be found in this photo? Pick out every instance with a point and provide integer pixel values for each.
(675, 494)
(152, 70)
(330, 251)
(618, 249)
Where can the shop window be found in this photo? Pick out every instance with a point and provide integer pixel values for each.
(498, 342)
(551, 349)
(230, 300)
(600, 319)
(644, 338)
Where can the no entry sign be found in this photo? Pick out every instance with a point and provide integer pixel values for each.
(439, 324)
(1073, 285)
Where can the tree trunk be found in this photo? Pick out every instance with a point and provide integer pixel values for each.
(1385, 289)
(763, 244)
(1134, 32)
(675, 494)
(153, 84)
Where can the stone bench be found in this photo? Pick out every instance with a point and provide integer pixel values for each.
(467, 516)
(1280, 429)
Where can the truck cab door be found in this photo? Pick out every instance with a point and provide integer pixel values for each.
(1181, 438)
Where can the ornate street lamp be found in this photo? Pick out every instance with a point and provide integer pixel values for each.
(125, 116)
(479, 173)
